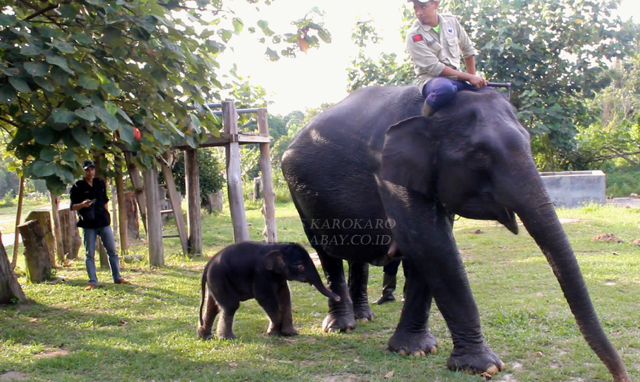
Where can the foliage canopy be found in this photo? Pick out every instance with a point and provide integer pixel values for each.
(75, 76)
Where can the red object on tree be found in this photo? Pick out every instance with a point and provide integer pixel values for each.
(136, 133)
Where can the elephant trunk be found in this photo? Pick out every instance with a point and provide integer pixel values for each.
(544, 226)
(316, 281)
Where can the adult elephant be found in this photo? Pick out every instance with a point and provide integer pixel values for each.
(372, 168)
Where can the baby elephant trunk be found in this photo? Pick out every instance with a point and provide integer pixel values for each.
(322, 289)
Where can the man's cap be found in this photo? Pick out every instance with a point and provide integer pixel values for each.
(87, 164)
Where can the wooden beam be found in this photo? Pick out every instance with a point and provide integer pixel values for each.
(234, 180)
(192, 185)
(269, 197)
(175, 205)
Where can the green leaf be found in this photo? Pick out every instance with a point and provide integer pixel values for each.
(36, 69)
(111, 108)
(7, 20)
(88, 82)
(30, 50)
(48, 153)
(82, 38)
(81, 136)
(62, 46)
(98, 140)
(7, 94)
(111, 89)
(42, 169)
(124, 115)
(237, 25)
(44, 84)
(126, 133)
(42, 135)
(109, 120)
(86, 114)
(62, 115)
(60, 76)
(60, 62)
(19, 85)
(225, 34)
(65, 175)
(69, 156)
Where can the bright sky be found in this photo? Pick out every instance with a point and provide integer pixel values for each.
(320, 76)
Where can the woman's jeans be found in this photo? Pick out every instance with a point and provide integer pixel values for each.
(106, 235)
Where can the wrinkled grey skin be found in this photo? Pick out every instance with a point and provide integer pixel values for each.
(373, 158)
(254, 270)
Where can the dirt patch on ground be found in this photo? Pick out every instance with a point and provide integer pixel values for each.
(52, 353)
(342, 378)
(12, 376)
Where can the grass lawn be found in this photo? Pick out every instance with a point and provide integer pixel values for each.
(146, 331)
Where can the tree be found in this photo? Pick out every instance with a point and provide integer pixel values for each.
(76, 76)
(555, 53)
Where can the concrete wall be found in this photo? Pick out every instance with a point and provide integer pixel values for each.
(575, 188)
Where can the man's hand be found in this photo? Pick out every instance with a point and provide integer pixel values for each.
(86, 203)
(476, 81)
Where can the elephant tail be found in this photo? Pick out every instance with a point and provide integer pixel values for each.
(203, 286)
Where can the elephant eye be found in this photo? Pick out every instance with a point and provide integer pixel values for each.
(479, 159)
(300, 267)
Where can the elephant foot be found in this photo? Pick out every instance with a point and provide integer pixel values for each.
(338, 323)
(363, 313)
(417, 344)
(286, 332)
(227, 335)
(204, 334)
(475, 359)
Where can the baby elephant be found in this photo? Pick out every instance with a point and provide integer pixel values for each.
(255, 270)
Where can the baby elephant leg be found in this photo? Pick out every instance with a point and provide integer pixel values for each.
(269, 300)
(225, 323)
(207, 317)
(284, 300)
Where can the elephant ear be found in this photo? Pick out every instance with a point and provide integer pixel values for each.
(274, 262)
(408, 155)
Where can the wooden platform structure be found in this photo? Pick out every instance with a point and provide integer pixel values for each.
(146, 187)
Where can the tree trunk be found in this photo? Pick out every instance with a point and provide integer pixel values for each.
(192, 185)
(57, 231)
(36, 251)
(44, 219)
(16, 242)
(10, 289)
(71, 241)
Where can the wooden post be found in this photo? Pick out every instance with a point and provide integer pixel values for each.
(131, 211)
(57, 232)
(154, 218)
(16, 242)
(138, 188)
(234, 175)
(192, 183)
(9, 286)
(269, 206)
(36, 251)
(44, 220)
(122, 209)
(71, 241)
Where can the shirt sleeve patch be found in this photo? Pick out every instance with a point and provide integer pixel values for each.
(417, 38)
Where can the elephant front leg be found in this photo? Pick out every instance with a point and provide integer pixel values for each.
(286, 327)
(341, 316)
(358, 279)
(412, 335)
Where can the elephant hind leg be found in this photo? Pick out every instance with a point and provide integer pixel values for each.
(225, 323)
(211, 310)
(358, 279)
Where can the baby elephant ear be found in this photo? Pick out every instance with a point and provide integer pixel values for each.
(274, 261)
(408, 153)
